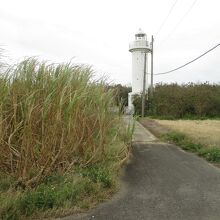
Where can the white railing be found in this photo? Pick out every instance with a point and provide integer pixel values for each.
(139, 44)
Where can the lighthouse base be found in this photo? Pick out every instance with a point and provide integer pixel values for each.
(130, 110)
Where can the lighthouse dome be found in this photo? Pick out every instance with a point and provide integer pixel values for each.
(140, 34)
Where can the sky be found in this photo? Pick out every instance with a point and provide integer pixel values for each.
(98, 33)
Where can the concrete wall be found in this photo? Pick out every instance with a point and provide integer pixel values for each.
(138, 71)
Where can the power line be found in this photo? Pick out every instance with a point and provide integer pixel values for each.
(189, 61)
(180, 21)
(164, 21)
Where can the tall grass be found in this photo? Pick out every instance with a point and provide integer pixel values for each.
(52, 118)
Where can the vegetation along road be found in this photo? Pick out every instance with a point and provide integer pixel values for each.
(203, 131)
(163, 182)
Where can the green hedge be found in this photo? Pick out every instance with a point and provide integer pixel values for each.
(181, 101)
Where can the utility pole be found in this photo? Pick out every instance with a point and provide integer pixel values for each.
(152, 67)
(144, 86)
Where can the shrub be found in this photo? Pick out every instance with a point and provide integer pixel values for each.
(186, 100)
(137, 102)
(120, 94)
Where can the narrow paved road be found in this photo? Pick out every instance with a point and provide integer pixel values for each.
(162, 182)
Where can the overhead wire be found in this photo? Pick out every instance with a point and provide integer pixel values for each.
(166, 18)
(170, 71)
(180, 21)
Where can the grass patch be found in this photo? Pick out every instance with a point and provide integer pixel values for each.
(98, 175)
(205, 132)
(6, 182)
(211, 154)
(186, 117)
(60, 194)
(161, 117)
(80, 189)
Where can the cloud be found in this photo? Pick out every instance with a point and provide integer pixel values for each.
(98, 33)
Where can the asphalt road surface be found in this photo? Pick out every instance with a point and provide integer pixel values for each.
(162, 182)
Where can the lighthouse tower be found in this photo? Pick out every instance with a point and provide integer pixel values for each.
(138, 48)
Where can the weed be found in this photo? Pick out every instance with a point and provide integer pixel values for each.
(175, 137)
(211, 154)
(191, 146)
(71, 191)
(6, 182)
(54, 178)
(99, 173)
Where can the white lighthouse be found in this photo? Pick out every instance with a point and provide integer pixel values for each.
(139, 47)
